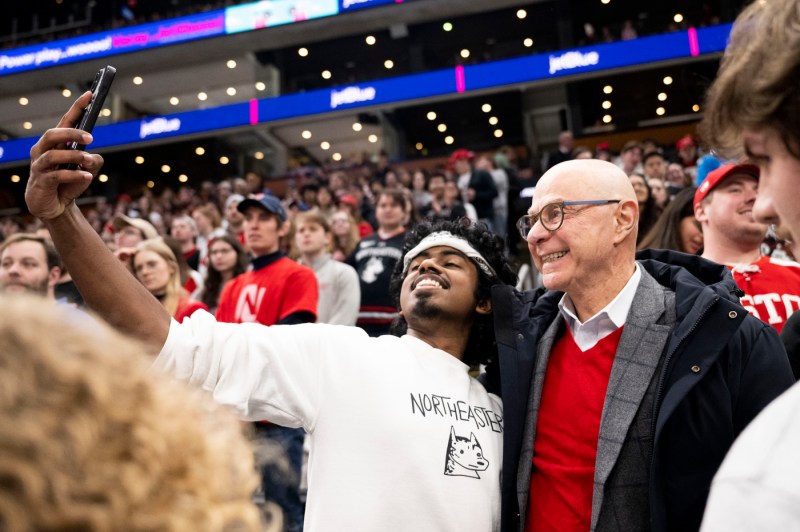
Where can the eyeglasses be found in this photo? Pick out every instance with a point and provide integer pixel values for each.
(552, 215)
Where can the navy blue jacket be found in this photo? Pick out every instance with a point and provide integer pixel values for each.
(696, 418)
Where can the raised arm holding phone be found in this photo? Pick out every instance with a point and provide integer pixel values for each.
(407, 397)
(107, 287)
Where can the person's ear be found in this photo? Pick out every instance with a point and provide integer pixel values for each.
(626, 219)
(484, 306)
(53, 276)
(700, 212)
(283, 228)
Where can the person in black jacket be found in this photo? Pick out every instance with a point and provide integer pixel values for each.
(477, 186)
(626, 381)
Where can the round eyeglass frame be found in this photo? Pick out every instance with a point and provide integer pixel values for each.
(527, 221)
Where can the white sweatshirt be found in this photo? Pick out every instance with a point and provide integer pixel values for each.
(757, 486)
(403, 438)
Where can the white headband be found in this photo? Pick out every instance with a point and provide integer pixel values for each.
(446, 238)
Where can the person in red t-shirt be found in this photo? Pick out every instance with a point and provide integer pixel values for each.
(724, 207)
(276, 290)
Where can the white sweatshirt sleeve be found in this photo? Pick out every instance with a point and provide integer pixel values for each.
(264, 373)
(756, 487)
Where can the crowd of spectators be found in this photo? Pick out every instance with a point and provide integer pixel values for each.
(135, 449)
(345, 229)
(493, 188)
(665, 180)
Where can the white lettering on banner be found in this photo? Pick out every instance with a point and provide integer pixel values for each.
(571, 60)
(1, 152)
(55, 55)
(48, 55)
(347, 3)
(158, 126)
(90, 47)
(7, 61)
(351, 95)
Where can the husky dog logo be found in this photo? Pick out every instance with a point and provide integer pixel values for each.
(464, 456)
(372, 270)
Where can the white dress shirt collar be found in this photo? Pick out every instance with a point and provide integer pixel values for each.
(605, 322)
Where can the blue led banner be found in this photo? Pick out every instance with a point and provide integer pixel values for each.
(357, 95)
(235, 19)
(133, 131)
(577, 61)
(713, 38)
(114, 42)
(404, 88)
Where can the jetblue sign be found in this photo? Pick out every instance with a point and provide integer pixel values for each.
(571, 60)
(351, 95)
(159, 126)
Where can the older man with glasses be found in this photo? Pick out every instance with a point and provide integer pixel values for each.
(626, 382)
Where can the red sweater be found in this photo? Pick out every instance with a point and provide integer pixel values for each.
(567, 430)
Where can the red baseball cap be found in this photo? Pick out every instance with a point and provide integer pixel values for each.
(686, 140)
(714, 178)
(347, 199)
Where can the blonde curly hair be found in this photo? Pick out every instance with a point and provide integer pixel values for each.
(91, 440)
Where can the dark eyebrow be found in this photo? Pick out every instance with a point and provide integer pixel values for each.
(455, 252)
(447, 252)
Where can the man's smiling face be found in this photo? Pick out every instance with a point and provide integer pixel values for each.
(441, 283)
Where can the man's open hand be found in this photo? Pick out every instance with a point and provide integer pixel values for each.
(50, 187)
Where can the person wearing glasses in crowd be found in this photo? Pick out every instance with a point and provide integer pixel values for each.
(625, 383)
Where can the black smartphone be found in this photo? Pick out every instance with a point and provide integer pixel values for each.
(100, 86)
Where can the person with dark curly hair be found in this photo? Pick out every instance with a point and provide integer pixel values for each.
(480, 347)
(398, 412)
